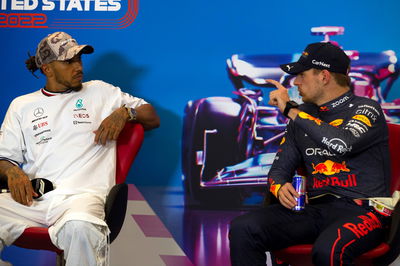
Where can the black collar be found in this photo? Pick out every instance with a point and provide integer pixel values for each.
(51, 93)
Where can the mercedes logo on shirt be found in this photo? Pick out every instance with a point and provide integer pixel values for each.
(38, 112)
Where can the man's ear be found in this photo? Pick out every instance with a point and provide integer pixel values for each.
(325, 76)
(47, 70)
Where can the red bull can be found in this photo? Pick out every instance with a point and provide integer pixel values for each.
(299, 184)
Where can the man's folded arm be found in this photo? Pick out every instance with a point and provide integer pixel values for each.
(147, 116)
(287, 160)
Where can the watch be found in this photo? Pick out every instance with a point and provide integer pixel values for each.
(132, 113)
(289, 105)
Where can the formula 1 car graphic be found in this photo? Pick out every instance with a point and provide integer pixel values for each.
(229, 143)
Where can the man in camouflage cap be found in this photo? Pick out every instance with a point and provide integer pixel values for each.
(65, 133)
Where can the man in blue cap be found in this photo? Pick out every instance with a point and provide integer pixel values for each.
(341, 142)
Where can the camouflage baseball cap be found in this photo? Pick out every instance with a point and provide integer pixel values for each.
(59, 46)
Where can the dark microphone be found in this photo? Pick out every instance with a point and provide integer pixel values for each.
(40, 186)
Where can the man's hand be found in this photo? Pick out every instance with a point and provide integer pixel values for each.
(286, 195)
(278, 97)
(111, 126)
(20, 186)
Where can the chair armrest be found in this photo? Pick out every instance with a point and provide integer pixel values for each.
(115, 209)
(394, 232)
(393, 239)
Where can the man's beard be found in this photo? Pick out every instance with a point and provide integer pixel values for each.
(68, 85)
(76, 88)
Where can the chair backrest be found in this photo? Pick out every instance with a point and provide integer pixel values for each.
(128, 145)
(394, 147)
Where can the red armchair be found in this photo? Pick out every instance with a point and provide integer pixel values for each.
(128, 145)
(386, 252)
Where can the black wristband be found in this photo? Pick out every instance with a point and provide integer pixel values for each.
(289, 105)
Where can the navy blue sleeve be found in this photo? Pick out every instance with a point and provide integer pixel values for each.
(287, 160)
(362, 128)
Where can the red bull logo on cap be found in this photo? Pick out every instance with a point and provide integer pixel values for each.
(330, 168)
(304, 115)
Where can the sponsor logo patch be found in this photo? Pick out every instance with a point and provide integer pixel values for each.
(318, 151)
(40, 125)
(79, 104)
(349, 181)
(367, 224)
(81, 122)
(320, 63)
(81, 115)
(336, 145)
(330, 168)
(323, 109)
(365, 111)
(363, 119)
(40, 133)
(340, 101)
(38, 112)
(336, 122)
(43, 140)
(304, 115)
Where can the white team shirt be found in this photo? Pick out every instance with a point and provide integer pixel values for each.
(52, 136)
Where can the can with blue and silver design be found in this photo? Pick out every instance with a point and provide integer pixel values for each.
(299, 184)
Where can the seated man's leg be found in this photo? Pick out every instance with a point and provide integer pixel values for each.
(15, 217)
(3, 263)
(270, 228)
(357, 231)
(80, 229)
(83, 243)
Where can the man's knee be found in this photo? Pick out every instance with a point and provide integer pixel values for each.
(319, 254)
(326, 255)
(245, 227)
(239, 228)
(77, 226)
(81, 232)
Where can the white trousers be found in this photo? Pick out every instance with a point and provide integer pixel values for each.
(76, 224)
(83, 243)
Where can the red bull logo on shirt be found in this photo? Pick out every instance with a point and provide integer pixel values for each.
(330, 168)
(323, 109)
(350, 181)
(304, 115)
